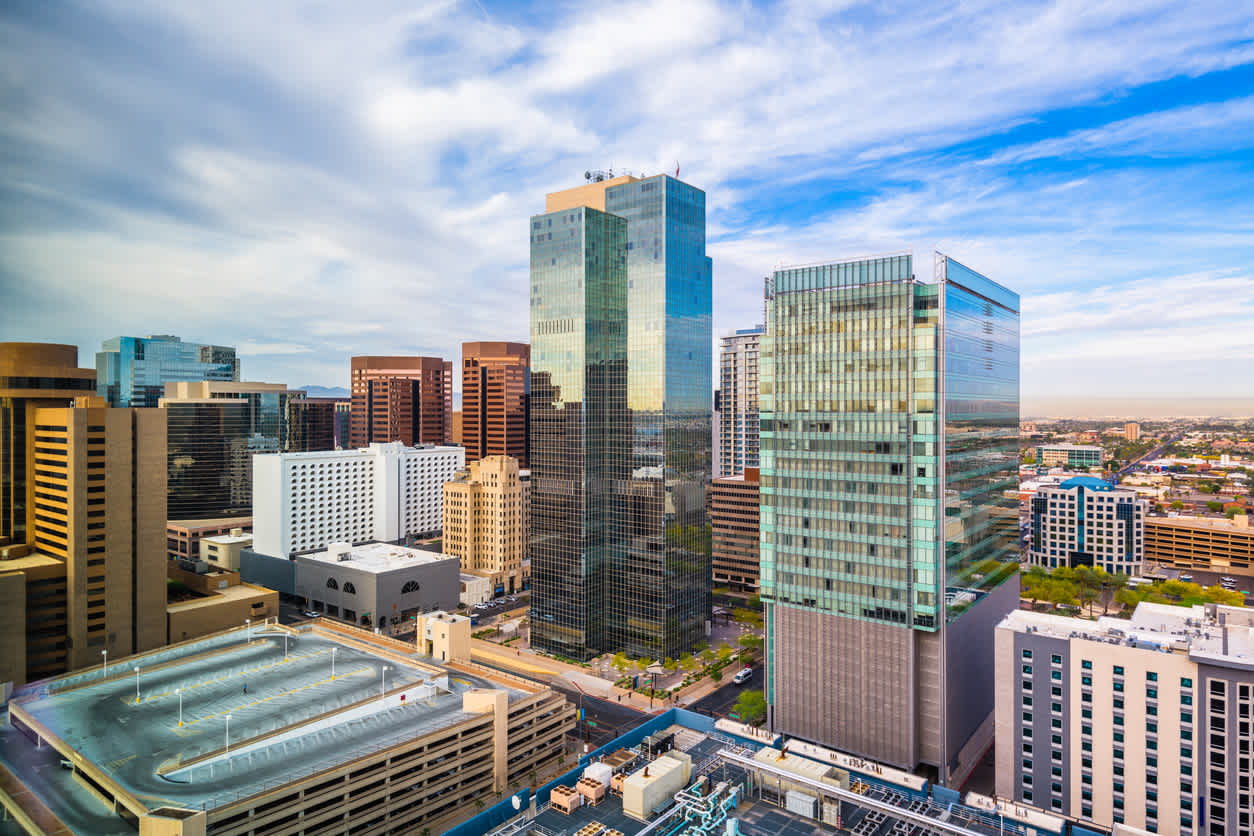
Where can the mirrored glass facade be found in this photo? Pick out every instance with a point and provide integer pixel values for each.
(209, 459)
(133, 371)
(889, 437)
(649, 586)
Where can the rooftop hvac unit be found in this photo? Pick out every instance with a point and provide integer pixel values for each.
(799, 803)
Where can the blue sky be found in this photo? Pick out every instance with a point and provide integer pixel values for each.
(312, 180)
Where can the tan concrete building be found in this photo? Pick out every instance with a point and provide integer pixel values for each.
(483, 522)
(405, 399)
(219, 609)
(1132, 431)
(1210, 544)
(94, 566)
(31, 375)
(734, 519)
(223, 550)
(494, 399)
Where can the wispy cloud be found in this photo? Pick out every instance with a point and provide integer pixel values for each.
(312, 180)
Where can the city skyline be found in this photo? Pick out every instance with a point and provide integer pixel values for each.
(305, 209)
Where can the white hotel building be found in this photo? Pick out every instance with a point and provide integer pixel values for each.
(385, 492)
(1143, 722)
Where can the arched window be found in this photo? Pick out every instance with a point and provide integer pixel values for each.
(349, 588)
(410, 586)
(331, 584)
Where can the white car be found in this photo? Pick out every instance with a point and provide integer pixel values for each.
(743, 676)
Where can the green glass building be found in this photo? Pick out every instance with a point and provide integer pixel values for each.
(889, 438)
(620, 419)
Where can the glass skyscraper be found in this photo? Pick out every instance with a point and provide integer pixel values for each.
(738, 400)
(620, 419)
(133, 371)
(889, 438)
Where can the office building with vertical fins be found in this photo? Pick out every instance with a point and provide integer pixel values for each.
(620, 418)
(738, 401)
(889, 438)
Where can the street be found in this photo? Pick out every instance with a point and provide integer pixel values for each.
(720, 701)
(604, 720)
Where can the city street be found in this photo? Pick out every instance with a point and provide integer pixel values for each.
(719, 702)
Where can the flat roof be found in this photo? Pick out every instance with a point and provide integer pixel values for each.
(239, 592)
(228, 539)
(376, 557)
(1217, 523)
(289, 716)
(218, 522)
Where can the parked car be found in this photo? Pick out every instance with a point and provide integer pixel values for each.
(1187, 578)
(742, 676)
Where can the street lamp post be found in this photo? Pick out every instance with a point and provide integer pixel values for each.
(383, 681)
(248, 629)
(333, 663)
(136, 685)
(285, 647)
(104, 655)
(179, 691)
(228, 737)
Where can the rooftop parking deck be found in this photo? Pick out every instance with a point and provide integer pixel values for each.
(296, 702)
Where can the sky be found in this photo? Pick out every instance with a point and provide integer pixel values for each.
(308, 181)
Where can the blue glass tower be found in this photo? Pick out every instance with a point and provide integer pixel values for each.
(889, 441)
(650, 569)
(133, 371)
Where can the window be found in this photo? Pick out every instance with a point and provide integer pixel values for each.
(349, 588)
(331, 584)
(410, 586)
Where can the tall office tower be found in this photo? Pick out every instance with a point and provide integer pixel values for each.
(133, 371)
(311, 425)
(31, 375)
(483, 522)
(890, 419)
(620, 418)
(716, 434)
(496, 379)
(405, 399)
(738, 401)
(1132, 431)
(1086, 521)
(215, 428)
(734, 514)
(95, 565)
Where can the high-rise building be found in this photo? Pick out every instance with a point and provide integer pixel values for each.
(310, 425)
(385, 492)
(405, 399)
(1144, 722)
(889, 427)
(133, 371)
(483, 522)
(716, 435)
(496, 380)
(1132, 431)
(93, 570)
(738, 401)
(734, 511)
(31, 375)
(620, 419)
(1087, 522)
(214, 430)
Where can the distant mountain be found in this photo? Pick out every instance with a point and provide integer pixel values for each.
(326, 392)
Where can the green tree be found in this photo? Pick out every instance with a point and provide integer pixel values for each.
(621, 663)
(1214, 506)
(1177, 505)
(708, 656)
(669, 664)
(724, 653)
(751, 706)
(1233, 511)
(716, 674)
(1219, 595)
(687, 662)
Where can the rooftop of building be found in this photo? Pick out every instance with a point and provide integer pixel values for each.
(229, 539)
(1239, 523)
(238, 592)
(1089, 483)
(381, 447)
(1067, 445)
(375, 557)
(289, 717)
(216, 522)
(1206, 632)
(878, 800)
